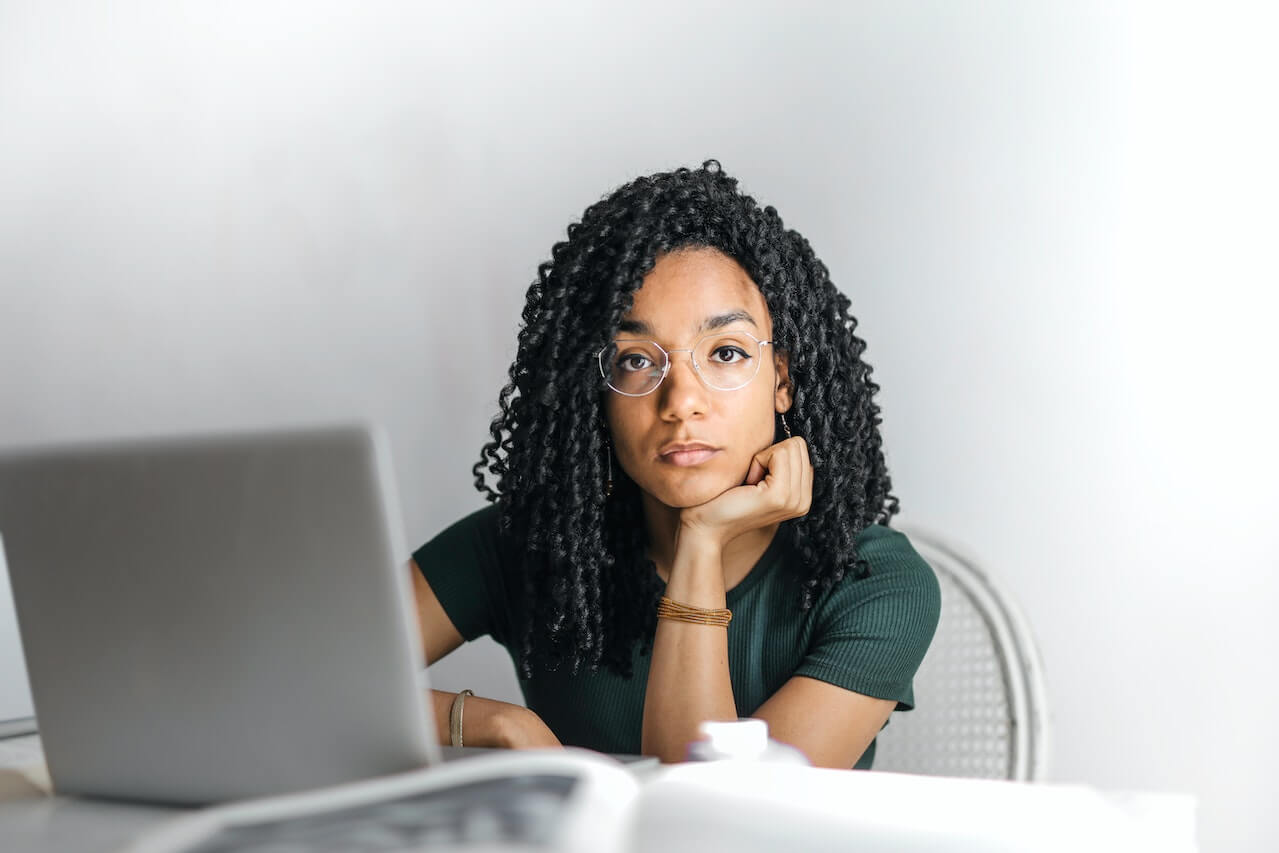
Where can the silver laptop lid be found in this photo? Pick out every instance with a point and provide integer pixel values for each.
(216, 617)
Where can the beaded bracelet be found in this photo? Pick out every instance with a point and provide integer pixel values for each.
(669, 609)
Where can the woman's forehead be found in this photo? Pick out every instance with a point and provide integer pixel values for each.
(693, 291)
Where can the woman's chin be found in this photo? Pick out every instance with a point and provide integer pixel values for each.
(691, 491)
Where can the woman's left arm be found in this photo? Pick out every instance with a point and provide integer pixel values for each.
(689, 677)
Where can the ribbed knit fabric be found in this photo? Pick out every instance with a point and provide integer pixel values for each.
(868, 635)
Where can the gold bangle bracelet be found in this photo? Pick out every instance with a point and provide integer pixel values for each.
(677, 612)
(455, 717)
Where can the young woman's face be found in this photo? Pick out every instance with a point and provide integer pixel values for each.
(688, 295)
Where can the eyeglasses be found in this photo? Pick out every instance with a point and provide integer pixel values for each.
(725, 361)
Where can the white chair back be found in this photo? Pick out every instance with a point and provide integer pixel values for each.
(980, 701)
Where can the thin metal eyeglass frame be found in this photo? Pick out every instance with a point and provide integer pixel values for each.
(666, 366)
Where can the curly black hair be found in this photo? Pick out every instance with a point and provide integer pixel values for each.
(591, 591)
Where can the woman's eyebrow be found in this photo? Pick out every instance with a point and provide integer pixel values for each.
(719, 321)
(634, 327)
(710, 324)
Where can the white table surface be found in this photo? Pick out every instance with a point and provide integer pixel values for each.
(33, 820)
(700, 807)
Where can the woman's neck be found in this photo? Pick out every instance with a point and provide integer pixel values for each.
(738, 557)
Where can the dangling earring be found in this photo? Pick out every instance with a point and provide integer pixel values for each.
(608, 456)
(786, 426)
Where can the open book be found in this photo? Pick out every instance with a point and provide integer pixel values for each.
(562, 800)
(574, 800)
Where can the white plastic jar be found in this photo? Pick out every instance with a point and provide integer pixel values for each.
(745, 739)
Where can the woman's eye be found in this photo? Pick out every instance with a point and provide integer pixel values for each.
(633, 362)
(729, 355)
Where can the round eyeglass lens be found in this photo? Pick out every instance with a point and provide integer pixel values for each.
(633, 367)
(727, 361)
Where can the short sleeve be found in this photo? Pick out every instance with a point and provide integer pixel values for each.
(463, 566)
(871, 633)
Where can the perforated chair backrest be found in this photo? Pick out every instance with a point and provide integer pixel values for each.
(980, 702)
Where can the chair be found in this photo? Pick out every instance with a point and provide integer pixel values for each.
(981, 706)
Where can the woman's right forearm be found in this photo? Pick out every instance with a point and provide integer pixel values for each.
(488, 722)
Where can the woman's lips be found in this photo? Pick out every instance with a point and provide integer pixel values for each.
(685, 458)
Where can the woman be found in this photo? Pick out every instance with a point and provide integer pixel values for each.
(690, 497)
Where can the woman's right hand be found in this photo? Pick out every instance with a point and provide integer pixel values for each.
(778, 487)
(521, 728)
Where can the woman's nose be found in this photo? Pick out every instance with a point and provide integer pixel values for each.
(682, 393)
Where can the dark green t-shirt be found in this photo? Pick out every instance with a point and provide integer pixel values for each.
(868, 635)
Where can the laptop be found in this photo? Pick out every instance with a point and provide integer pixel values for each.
(211, 618)
(227, 619)
(215, 617)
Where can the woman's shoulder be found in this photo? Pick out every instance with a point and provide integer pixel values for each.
(474, 533)
(887, 548)
(892, 568)
(892, 594)
(483, 520)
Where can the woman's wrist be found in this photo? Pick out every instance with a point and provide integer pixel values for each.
(492, 723)
(698, 542)
(482, 719)
(697, 573)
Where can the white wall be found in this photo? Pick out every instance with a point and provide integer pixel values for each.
(1056, 222)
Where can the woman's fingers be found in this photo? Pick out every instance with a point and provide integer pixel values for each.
(778, 486)
(797, 472)
(806, 481)
(799, 476)
(787, 476)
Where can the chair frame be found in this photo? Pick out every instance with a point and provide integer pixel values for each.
(1016, 650)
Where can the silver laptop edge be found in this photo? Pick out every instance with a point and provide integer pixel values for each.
(216, 617)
